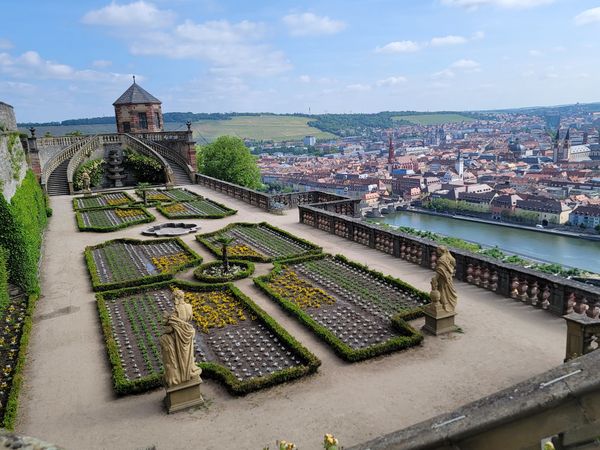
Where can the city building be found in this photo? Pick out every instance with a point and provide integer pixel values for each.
(137, 111)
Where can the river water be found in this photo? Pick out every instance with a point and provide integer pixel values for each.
(568, 251)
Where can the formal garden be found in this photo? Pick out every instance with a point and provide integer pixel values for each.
(236, 343)
(167, 195)
(103, 200)
(203, 208)
(360, 313)
(258, 242)
(111, 218)
(130, 262)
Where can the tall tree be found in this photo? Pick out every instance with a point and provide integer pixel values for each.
(228, 159)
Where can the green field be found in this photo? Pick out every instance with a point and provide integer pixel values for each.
(434, 118)
(268, 127)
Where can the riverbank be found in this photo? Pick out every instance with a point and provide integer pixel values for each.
(589, 237)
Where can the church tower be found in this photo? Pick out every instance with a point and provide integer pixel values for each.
(137, 111)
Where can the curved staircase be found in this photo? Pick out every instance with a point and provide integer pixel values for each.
(57, 181)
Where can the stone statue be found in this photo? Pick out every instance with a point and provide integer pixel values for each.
(177, 343)
(86, 181)
(442, 281)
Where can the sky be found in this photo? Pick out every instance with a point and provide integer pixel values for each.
(66, 59)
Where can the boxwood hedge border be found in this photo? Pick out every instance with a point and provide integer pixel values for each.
(138, 192)
(198, 275)
(97, 285)
(82, 227)
(212, 370)
(216, 249)
(228, 211)
(409, 336)
(101, 194)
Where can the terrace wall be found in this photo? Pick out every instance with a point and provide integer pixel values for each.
(270, 202)
(556, 294)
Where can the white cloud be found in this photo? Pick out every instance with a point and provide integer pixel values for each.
(535, 53)
(138, 14)
(477, 36)
(5, 44)
(588, 16)
(508, 4)
(399, 47)
(358, 87)
(304, 78)
(448, 40)
(102, 63)
(465, 64)
(392, 81)
(31, 65)
(309, 24)
(443, 74)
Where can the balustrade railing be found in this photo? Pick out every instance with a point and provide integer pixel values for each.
(58, 141)
(84, 152)
(61, 157)
(540, 290)
(136, 144)
(168, 153)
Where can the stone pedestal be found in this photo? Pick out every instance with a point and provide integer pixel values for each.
(438, 321)
(184, 395)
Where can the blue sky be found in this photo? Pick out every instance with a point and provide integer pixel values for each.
(68, 59)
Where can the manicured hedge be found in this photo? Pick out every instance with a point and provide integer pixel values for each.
(83, 227)
(99, 286)
(12, 404)
(409, 337)
(228, 211)
(4, 297)
(216, 249)
(129, 197)
(22, 224)
(209, 370)
(249, 270)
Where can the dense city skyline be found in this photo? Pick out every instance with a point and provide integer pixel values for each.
(281, 57)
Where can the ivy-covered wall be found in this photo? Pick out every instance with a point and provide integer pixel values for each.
(22, 223)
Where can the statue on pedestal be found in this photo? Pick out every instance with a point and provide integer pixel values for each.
(86, 182)
(181, 374)
(439, 314)
(177, 343)
(443, 279)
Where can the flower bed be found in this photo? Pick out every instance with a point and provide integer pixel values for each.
(110, 219)
(211, 273)
(259, 242)
(201, 209)
(103, 200)
(359, 312)
(130, 262)
(236, 341)
(168, 195)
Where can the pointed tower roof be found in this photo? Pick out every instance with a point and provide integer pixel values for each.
(136, 94)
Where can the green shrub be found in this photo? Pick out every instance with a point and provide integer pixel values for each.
(200, 276)
(94, 168)
(4, 298)
(22, 224)
(145, 169)
(105, 229)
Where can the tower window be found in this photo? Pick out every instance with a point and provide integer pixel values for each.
(157, 119)
(143, 119)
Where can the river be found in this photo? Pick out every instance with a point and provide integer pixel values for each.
(572, 252)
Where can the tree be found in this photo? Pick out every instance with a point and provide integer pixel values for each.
(144, 188)
(225, 242)
(228, 159)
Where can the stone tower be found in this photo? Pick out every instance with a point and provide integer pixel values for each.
(137, 111)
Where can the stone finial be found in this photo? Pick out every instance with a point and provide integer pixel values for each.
(32, 131)
(188, 124)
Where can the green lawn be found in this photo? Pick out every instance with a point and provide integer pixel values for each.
(277, 128)
(434, 118)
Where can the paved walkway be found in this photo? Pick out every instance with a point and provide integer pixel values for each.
(68, 399)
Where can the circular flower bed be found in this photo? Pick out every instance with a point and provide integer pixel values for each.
(212, 272)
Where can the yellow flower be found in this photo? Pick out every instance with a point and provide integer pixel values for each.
(166, 264)
(124, 213)
(176, 208)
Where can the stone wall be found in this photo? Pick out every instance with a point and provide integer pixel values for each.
(7, 117)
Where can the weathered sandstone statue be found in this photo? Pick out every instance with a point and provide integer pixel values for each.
(177, 343)
(181, 374)
(86, 181)
(443, 279)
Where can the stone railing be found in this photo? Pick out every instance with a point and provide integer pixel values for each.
(85, 150)
(136, 144)
(163, 136)
(556, 294)
(172, 154)
(61, 157)
(561, 404)
(58, 141)
(271, 202)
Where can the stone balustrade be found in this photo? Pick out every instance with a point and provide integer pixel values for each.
(139, 146)
(63, 156)
(540, 290)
